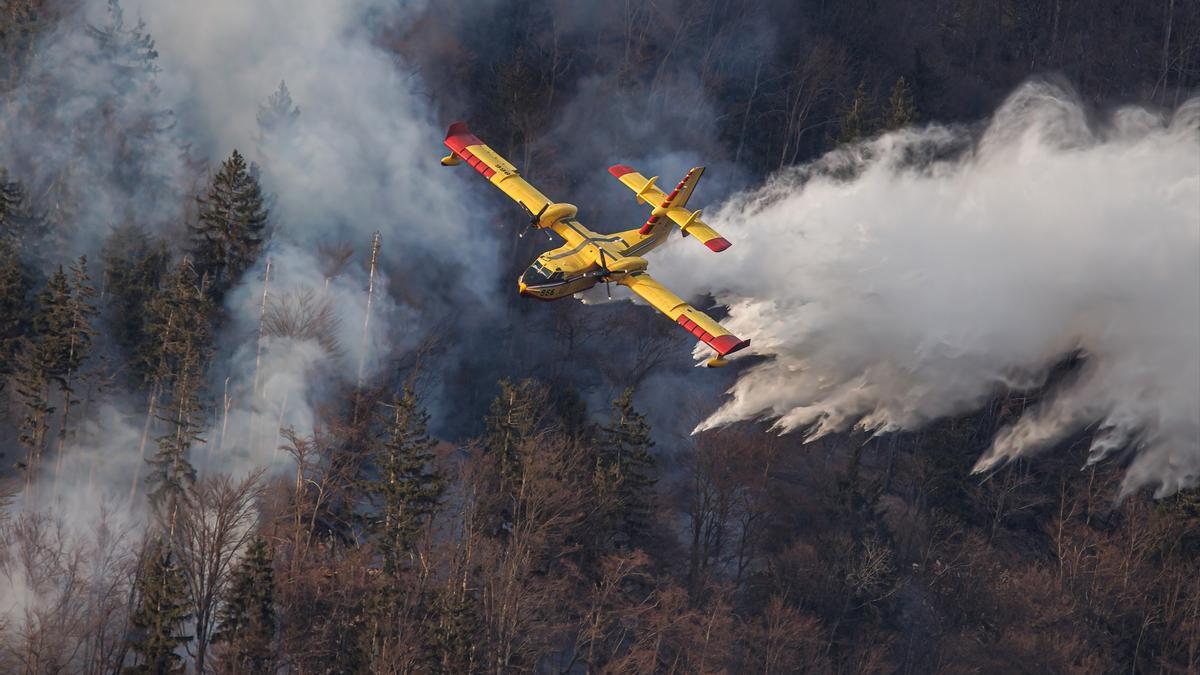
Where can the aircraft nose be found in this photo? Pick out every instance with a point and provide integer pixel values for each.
(521, 287)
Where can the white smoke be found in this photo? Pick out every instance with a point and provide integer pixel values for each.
(914, 276)
(361, 157)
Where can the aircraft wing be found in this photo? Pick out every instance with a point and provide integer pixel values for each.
(693, 320)
(671, 205)
(466, 147)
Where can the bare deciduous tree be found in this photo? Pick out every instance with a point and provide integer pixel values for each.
(210, 533)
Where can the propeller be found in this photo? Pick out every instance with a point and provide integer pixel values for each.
(607, 275)
(534, 218)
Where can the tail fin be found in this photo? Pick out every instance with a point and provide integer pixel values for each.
(672, 205)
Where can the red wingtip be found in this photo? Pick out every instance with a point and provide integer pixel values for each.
(718, 244)
(618, 170)
(728, 344)
(458, 137)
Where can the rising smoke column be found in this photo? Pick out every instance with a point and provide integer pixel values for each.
(361, 157)
(915, 276)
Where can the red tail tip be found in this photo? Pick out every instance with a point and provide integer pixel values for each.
(618, 170)
(718, 244)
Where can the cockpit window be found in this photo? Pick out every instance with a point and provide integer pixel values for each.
(537, 275)
(531, 277)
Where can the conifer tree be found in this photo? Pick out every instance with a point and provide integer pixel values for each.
(275, 118)
(179, 327)
(16, 280)
(231, 225)
(134, 265)
(52, 321)
(58, 345)
(81, 313)
(171, 469)
(571, 411)
(12, 210)
(624, 468)
(158, 619)
(451, 633)
(177, 321)
(130, 47)
(855, 122)
(128, 96)
(405, 488)
(279, 112)
(32, 387)
(43, 359)
(246, 620)
(514, 416)
(900, 111)
(15, 309)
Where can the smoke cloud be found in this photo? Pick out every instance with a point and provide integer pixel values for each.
(360, 157)
(916, 275)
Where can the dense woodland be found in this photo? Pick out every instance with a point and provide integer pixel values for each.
(529, 528)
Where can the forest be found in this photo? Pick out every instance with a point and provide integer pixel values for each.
(269, 402)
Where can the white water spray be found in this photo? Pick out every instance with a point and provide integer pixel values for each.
(891, 285)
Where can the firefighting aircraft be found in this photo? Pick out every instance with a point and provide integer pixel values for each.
(588, 257)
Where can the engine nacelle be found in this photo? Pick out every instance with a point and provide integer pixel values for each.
(627, 265)
(557, 212)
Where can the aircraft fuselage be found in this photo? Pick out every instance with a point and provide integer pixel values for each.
(575, 267)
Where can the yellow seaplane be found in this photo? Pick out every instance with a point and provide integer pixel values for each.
(587, 258)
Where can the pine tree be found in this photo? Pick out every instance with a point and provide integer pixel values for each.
(246, 620)
(231, 225)
(32, 387)
(159, 616)
(171, 470)
(855, 122)
(131, 48)
(134, 266)
(177, 322)
(16, 280)
(405, 489)
(571, 411)
(179, 328)
(514, 416)
(52, 321)
(901, 111)
(277, 116)
(624, 468)
(451, 633)
(279, 112)
(43, 359)
(15, 309)
(81, 313)
(12, 211)
(129, 96)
